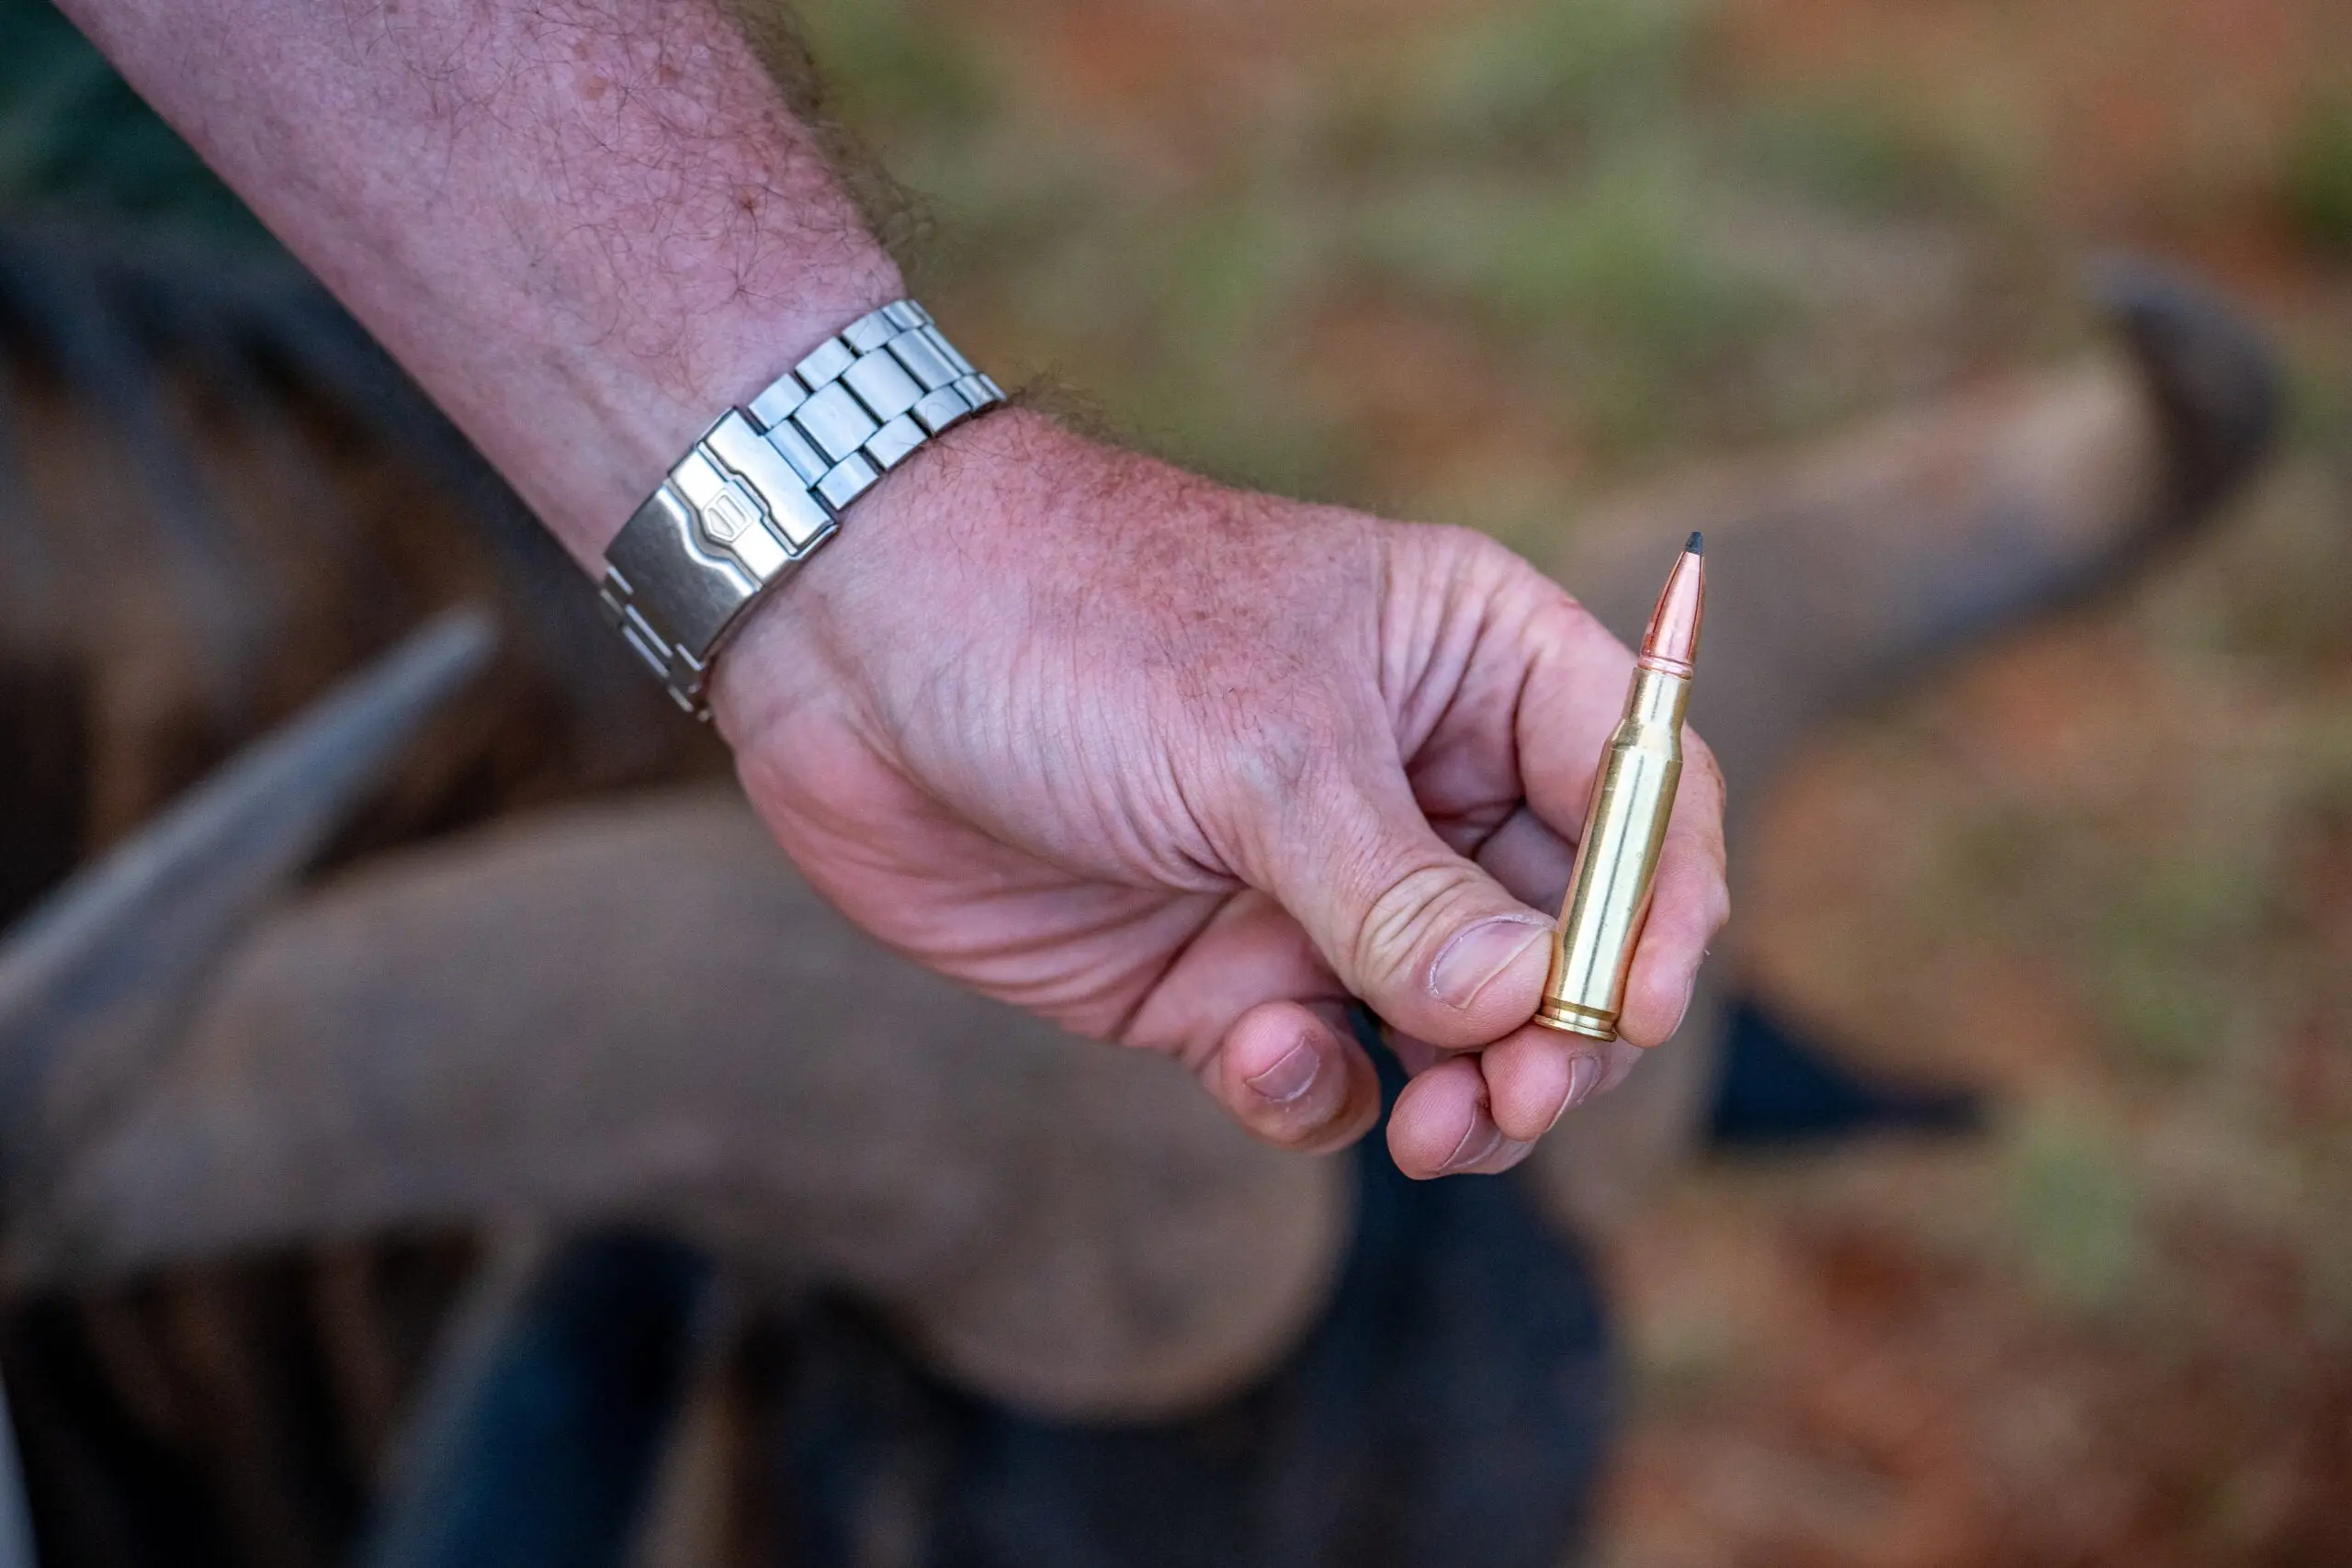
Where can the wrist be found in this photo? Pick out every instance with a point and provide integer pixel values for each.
(952, 510)
(722, 359)
(753, 499)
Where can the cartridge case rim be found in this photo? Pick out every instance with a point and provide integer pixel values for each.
(1570, 1018)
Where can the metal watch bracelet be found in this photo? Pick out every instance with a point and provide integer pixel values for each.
(767, 484)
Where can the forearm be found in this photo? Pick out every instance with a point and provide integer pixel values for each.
(584, 226)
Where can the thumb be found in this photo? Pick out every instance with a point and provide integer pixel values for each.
(1431, 942)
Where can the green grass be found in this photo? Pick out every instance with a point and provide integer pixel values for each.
(1545, 175)
(1858, 151)
(2174, 956)
(1615, 257)
(2318, 176)
(1538, 81)
(2076, 1208)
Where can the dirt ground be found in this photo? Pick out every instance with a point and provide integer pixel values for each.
(1481, 260)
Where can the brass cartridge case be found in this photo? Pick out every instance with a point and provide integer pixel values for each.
(1624, 827)
(1609, 893)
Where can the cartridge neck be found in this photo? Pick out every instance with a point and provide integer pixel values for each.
(1657, 696)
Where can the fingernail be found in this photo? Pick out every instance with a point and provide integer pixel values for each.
(1290, 1078)
(1480, 1142)
(1478, 954)
(1584, 1076)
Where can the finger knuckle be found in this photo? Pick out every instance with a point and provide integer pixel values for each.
(1407, 903)
(1562, 631)
(1281, 752)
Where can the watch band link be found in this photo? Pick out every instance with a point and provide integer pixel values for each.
(767, 484)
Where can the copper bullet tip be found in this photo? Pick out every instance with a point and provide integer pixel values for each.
(1671, 644)
(1698, 545)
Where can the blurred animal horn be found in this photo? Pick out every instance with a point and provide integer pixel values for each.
(1835, 573)
(88, 976)
(635, 1012)
(2215, 385)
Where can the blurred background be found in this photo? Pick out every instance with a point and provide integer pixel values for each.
(1487, 260)
(2103, 869)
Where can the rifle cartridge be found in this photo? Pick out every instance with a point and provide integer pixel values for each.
(1624, 828)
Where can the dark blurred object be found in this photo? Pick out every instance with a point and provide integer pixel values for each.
(73, 134)
(1451, 1410)
(536, 1444)
(1775, 1088)
(228, 1415)
(42, 801)
(16, 1515)
(43, 707)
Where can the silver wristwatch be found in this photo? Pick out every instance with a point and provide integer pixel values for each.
(767, 484)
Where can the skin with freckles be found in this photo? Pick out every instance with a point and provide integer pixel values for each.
(1175, 765)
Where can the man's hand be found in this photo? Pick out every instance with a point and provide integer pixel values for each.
(1184, 767)
(1171, 764)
